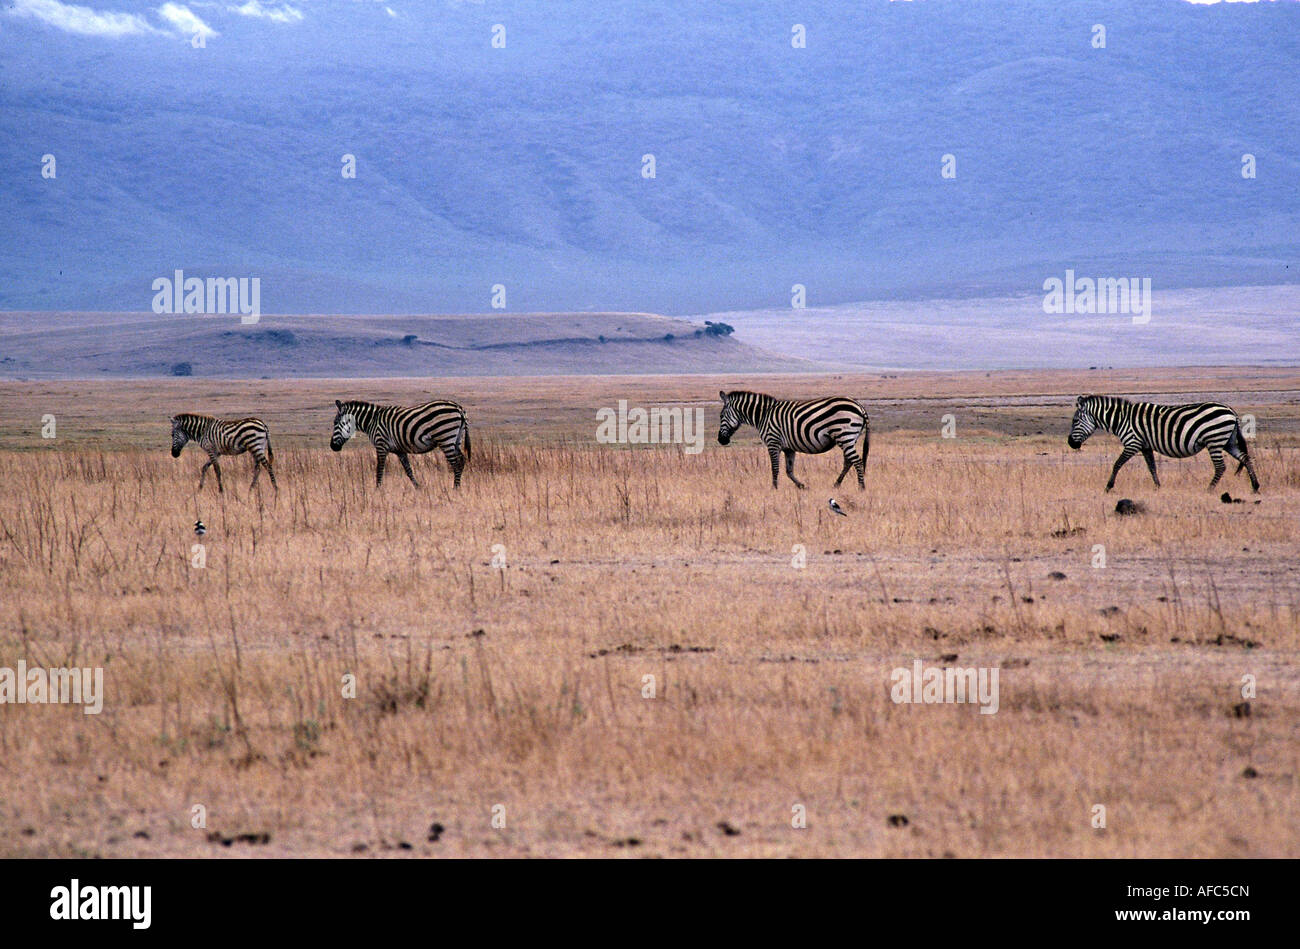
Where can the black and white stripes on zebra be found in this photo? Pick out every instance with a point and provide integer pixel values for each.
(1178, 431)
(224, 437)
(406, 430)
(812, 426)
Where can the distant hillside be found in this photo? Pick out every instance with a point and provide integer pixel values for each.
(1224, 326)
(523, 165)
(104, 345)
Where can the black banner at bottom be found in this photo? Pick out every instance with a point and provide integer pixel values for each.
(599, 899)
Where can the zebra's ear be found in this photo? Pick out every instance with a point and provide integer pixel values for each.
(1079, 401)
(339, 404)
(722, 395)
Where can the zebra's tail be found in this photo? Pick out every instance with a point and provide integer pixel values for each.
(463, 437)
(866, 435)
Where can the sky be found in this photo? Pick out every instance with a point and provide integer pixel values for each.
(678, 158)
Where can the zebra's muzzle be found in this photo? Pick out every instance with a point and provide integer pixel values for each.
(1073, 443)
(335, 446)
(723, 439)
(176, 452)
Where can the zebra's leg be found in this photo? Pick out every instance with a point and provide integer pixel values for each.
(1216, 456)
(381, 456)
(845, 470)
(775, 454)
(406, 466)
(852, 460)
(1250, 469)
(257, 470)
(1124, 456)
(263, 454)
(789, 469)
(203, 473)
(1239, 451)
(216, 468)
(1150, 457)
(456, 460)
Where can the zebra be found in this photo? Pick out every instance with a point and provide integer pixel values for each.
(406, 430)
(224, 437)
(1178, 431)
(787, 426)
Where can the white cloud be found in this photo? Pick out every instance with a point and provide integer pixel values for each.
(184, 20)
(87, 21)
(281, 14)
(82, 20)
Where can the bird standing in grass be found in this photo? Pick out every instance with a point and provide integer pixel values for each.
(199, 528)
(836, 508)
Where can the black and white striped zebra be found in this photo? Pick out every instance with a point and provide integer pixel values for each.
(224, 437)
(406, 430)
(1178, 431)
(812, 426)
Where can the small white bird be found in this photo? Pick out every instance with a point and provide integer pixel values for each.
(199, 528)
(836, 508)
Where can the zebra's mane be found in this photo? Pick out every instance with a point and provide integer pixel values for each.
(1105, 400)
(184, 417)
(366, 414)
(361, 406)
(352, 405)
(364, 404)
(752, 407)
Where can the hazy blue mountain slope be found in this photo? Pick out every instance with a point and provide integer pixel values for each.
(775, 165)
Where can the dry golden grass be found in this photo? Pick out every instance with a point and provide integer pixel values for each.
(522, 687)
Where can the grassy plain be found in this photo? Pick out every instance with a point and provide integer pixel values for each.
(519, 693)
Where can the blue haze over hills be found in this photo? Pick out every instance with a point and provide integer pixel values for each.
(522, 166)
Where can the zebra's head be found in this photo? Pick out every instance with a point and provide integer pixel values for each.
(345, 426)
(730, 420)
(1084, 422)
(179, 438)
